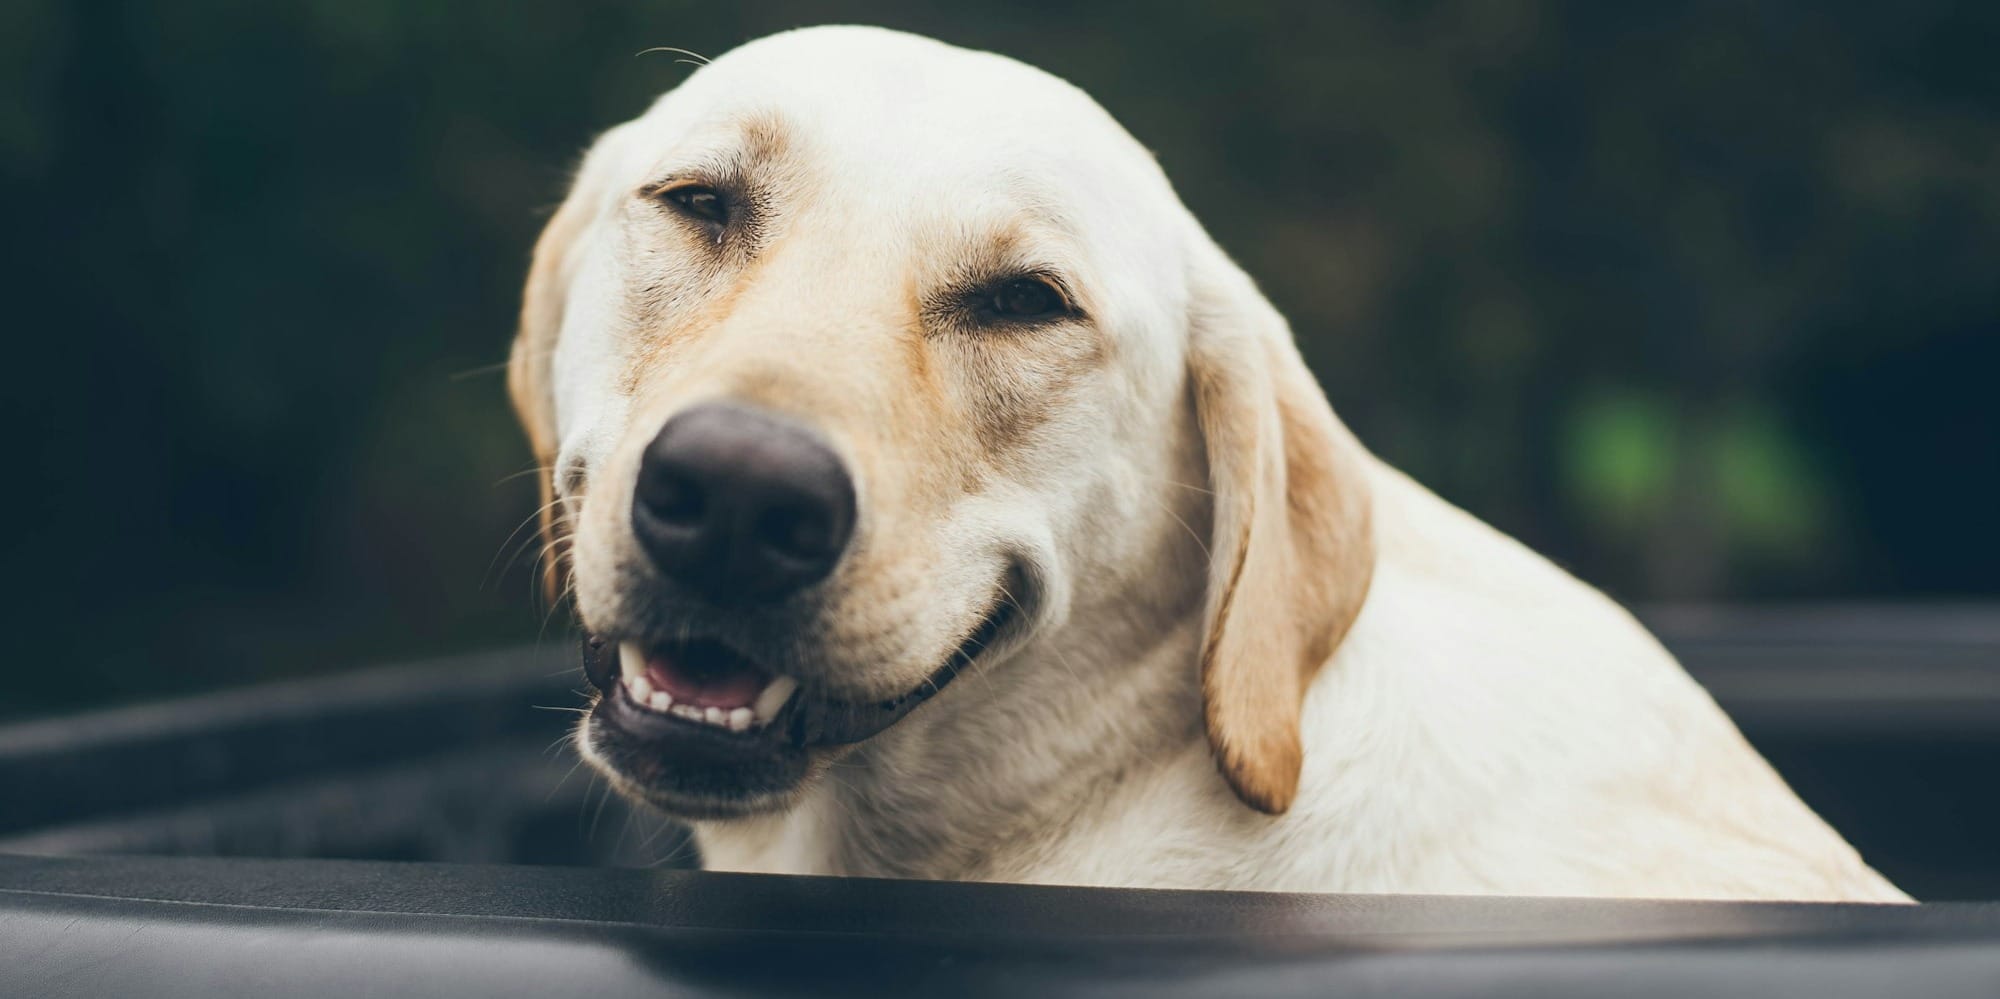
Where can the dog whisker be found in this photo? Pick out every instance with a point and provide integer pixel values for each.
(693, 58)
(537, 469)
(1191, 532)
(484, 369)
(509, 540)
(590, 834)
(567, 774)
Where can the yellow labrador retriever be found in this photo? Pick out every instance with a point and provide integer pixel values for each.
(939, 501)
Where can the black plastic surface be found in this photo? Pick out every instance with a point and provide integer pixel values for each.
(172, 927)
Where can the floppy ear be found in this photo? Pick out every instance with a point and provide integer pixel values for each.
(529, 384)
(1292, 549)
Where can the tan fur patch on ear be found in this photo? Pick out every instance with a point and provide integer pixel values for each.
(529, 386)
(1261, 761)
(1293, 547)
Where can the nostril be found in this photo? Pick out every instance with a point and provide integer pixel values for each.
(738, 504)
(803, 533)
(673, 498)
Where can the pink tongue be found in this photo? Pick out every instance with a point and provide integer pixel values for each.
(730, 687)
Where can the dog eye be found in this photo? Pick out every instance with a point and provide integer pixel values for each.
(702, 204)
(1025, 300)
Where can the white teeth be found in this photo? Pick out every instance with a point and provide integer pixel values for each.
(770, 701)
(773, 699)
(631, 660)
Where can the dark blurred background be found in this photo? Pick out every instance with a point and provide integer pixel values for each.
(1701, 299)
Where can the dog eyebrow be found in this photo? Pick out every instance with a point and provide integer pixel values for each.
(1038, 199)
(743, 145)
(725, 168)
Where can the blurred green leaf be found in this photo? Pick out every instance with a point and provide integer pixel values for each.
(1773, 502)
(1619, 457)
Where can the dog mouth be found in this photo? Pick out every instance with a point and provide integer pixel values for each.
(705, 683)
(705, 692)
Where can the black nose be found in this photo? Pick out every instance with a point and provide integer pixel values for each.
(741, 505)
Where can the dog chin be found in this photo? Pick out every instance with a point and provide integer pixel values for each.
(695, 795)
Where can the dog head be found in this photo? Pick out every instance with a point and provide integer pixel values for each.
(860, 361)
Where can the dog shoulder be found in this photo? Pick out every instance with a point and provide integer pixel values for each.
(1493, 724)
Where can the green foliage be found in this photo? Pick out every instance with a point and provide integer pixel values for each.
(1772, 501)
(1620, 459)
(1698, 297)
